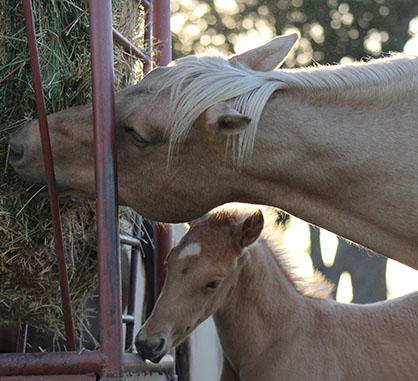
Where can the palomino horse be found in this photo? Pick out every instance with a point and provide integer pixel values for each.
(335, 145)
(273, 325)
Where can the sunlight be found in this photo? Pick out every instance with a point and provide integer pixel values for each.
(345, 289)
(411, 47)
(329, 244)
(400, 279)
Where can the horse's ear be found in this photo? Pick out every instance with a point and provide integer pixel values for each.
(268, 56)
(250, 229)
(222, 117)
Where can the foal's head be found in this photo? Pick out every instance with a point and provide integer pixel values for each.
(202, 269)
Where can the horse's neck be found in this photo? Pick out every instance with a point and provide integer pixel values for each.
(259, 305)
(347, 166)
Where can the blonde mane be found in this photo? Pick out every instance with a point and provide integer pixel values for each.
(272, 235)
(197, 82)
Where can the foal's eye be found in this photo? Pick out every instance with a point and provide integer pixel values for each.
(212, 285)
(138, 139)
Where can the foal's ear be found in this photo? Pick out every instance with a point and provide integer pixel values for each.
(222, 117)
(250, 229)
(269, 56)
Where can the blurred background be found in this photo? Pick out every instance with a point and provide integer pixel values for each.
(331, 32)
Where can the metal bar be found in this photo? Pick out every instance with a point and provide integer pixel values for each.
(50, 363)
(161, 31)
(73, 363)
(163, 243)
(129, 47)
(162, 36)
(22, 336)
(133, 280)
(106, 187)
(129, 240)
(49, 169)
(134, 364)
(128, 319)
(148, 37)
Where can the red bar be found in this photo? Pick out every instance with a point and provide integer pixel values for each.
(161, 31)
(106, 186)
(129, 47)
(147, 37)
(51, 363)
(49, 169)
(162, 35)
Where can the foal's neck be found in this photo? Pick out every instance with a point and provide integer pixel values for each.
(258, 308)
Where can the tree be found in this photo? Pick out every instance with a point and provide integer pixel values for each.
(330, 30)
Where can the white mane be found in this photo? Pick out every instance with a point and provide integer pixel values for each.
(197, 82)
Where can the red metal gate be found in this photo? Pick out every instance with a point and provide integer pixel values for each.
(110, 363)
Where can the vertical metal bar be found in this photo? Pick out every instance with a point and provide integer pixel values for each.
(106, 186)
(162, 39)
(136, 252)
(49, 169)
(161, 34)
(148, 37)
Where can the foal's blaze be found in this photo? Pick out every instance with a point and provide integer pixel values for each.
(197, 285)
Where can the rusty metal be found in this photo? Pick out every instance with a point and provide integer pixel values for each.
(161, 31)
(51, 363)
(129, 47)
(106, 186)
(162, 46)
(74, 363)
(129, 240)
(50, 176)
(148, 37)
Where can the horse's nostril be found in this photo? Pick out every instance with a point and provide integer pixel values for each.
(17, 152)
(160, 346)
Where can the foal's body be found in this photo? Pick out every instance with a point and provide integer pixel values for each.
(268, 327)
(268, 331)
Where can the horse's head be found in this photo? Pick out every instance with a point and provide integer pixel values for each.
(202, 271)
(150, 130)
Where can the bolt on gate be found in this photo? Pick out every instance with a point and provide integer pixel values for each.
(108, 363)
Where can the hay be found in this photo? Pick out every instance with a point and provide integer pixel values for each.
(29, 286)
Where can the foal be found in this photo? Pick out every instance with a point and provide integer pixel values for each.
(271, 324)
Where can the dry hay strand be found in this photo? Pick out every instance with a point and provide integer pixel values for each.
(29, 288)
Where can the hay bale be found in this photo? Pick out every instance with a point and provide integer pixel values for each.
(29, 286)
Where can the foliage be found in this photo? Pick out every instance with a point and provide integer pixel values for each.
(329, 29)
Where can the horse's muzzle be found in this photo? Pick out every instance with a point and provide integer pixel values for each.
(16, 153)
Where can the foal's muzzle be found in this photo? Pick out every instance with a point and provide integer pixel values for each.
(150, 348)
(17, 153)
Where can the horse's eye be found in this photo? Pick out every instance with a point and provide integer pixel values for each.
(212, 285)
(138, 139)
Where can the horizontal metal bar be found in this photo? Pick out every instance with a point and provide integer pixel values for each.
(128, 318)
(129, 47)
(129, 240)
(133, 363)
(47, 363)
(50, 363)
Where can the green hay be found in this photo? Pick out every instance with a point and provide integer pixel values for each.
(29, 288)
